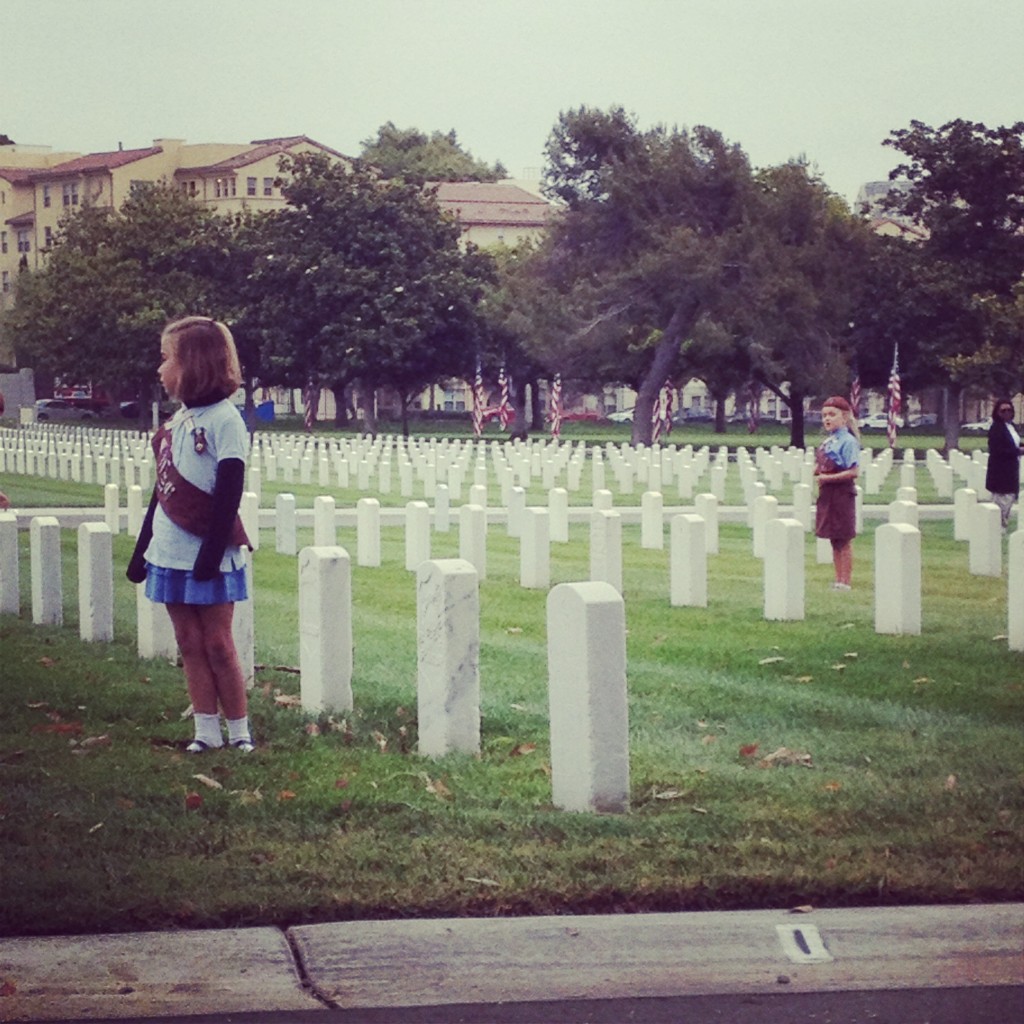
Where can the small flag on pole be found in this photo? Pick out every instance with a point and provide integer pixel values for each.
(555, 410)
(478, 402)
(309, 400)
(506, 411)
(661, 412)
(895, 396)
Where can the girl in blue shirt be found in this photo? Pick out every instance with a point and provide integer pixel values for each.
(836, 469)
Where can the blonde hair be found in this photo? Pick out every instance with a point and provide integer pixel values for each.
(206, 358)
(849, 419)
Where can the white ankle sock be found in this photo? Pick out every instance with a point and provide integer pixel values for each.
(208, 729)
(238, 729)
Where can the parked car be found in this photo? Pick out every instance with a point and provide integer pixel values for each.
(879, 421)
(626, 416)
(976, 425)
(59, 409)
(926, 419)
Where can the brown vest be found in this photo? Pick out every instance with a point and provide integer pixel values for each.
(183, 503)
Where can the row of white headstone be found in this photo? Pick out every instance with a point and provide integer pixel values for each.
(105, 456)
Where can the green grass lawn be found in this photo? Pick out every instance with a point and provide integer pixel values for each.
(915, 793)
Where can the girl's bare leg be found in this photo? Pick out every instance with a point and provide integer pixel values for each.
(212, 670)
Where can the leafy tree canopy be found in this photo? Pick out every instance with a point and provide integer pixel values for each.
(111, 282)
(364, 280)
(954, 297)
(414, 156)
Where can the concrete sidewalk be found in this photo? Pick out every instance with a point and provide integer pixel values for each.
(465, 969)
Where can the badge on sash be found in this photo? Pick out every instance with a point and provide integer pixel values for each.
(200, 440)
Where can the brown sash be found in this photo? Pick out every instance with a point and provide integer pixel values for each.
(186, 505)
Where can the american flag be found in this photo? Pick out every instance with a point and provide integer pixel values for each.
(506, 411)
(555, 411)
(661, 412)
(309, 400)
(855, 395)
(478, 402)
(895, 395)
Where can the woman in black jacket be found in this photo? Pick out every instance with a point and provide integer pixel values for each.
(1002, 478)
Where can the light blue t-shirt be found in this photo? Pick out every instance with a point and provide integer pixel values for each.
(224, 436)
(842, 448)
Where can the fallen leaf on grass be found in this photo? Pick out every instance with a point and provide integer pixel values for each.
(247, 796)
(96, 827)
(68, 728)
(771, 661)
(287, 700)
(518, 707)
(804, 908)
(193, 801)
(921, 680)
(312, 729)
(514, 630)
(341, 783)
(950, 783)
(47, 662)
(839, 666)
(708, 739)
(749, 750)
(521, 749)
(381, 740)
(95, 741)
(832, 787)
(699, 810)
(668, 794)
(286, 794)
(851, 655)
(484, 881)
(785, 756)
(1000, 636)
(804, 679)
(207, 781)
(35, 705)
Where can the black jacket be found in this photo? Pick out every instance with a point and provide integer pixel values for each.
(1003, 474)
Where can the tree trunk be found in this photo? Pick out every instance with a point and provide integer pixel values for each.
(340, 408)
(666, 352)
(720, 412)
(369, 414)
(796, 409)
(536, 409)
(950, 418)
(518, 428)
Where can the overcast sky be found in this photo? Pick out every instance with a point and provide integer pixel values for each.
(823, 79)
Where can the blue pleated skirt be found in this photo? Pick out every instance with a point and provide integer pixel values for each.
(177, 586)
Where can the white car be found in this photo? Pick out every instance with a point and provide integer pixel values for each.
(626, 416)
(976, 425)
(58, 409)
(879, 421)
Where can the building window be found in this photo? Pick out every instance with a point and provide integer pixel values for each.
(225, 188)
(46, 195)
(189, 188)
(6, 284)
(268, 186)
(250, 186)
(48, 231)
(71, 194)
(24, 242)
(3, 241)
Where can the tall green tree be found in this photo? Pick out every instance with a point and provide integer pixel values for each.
(966, 190)
(414, 156)
(651, 232)
(111, 281)
(364, 281)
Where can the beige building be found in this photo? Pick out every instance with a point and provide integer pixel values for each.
(39, 187)
(494, 213)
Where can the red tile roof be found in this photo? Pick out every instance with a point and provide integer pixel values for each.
(480, 203)
(18, 175)
(94, 162)
(262, 148)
